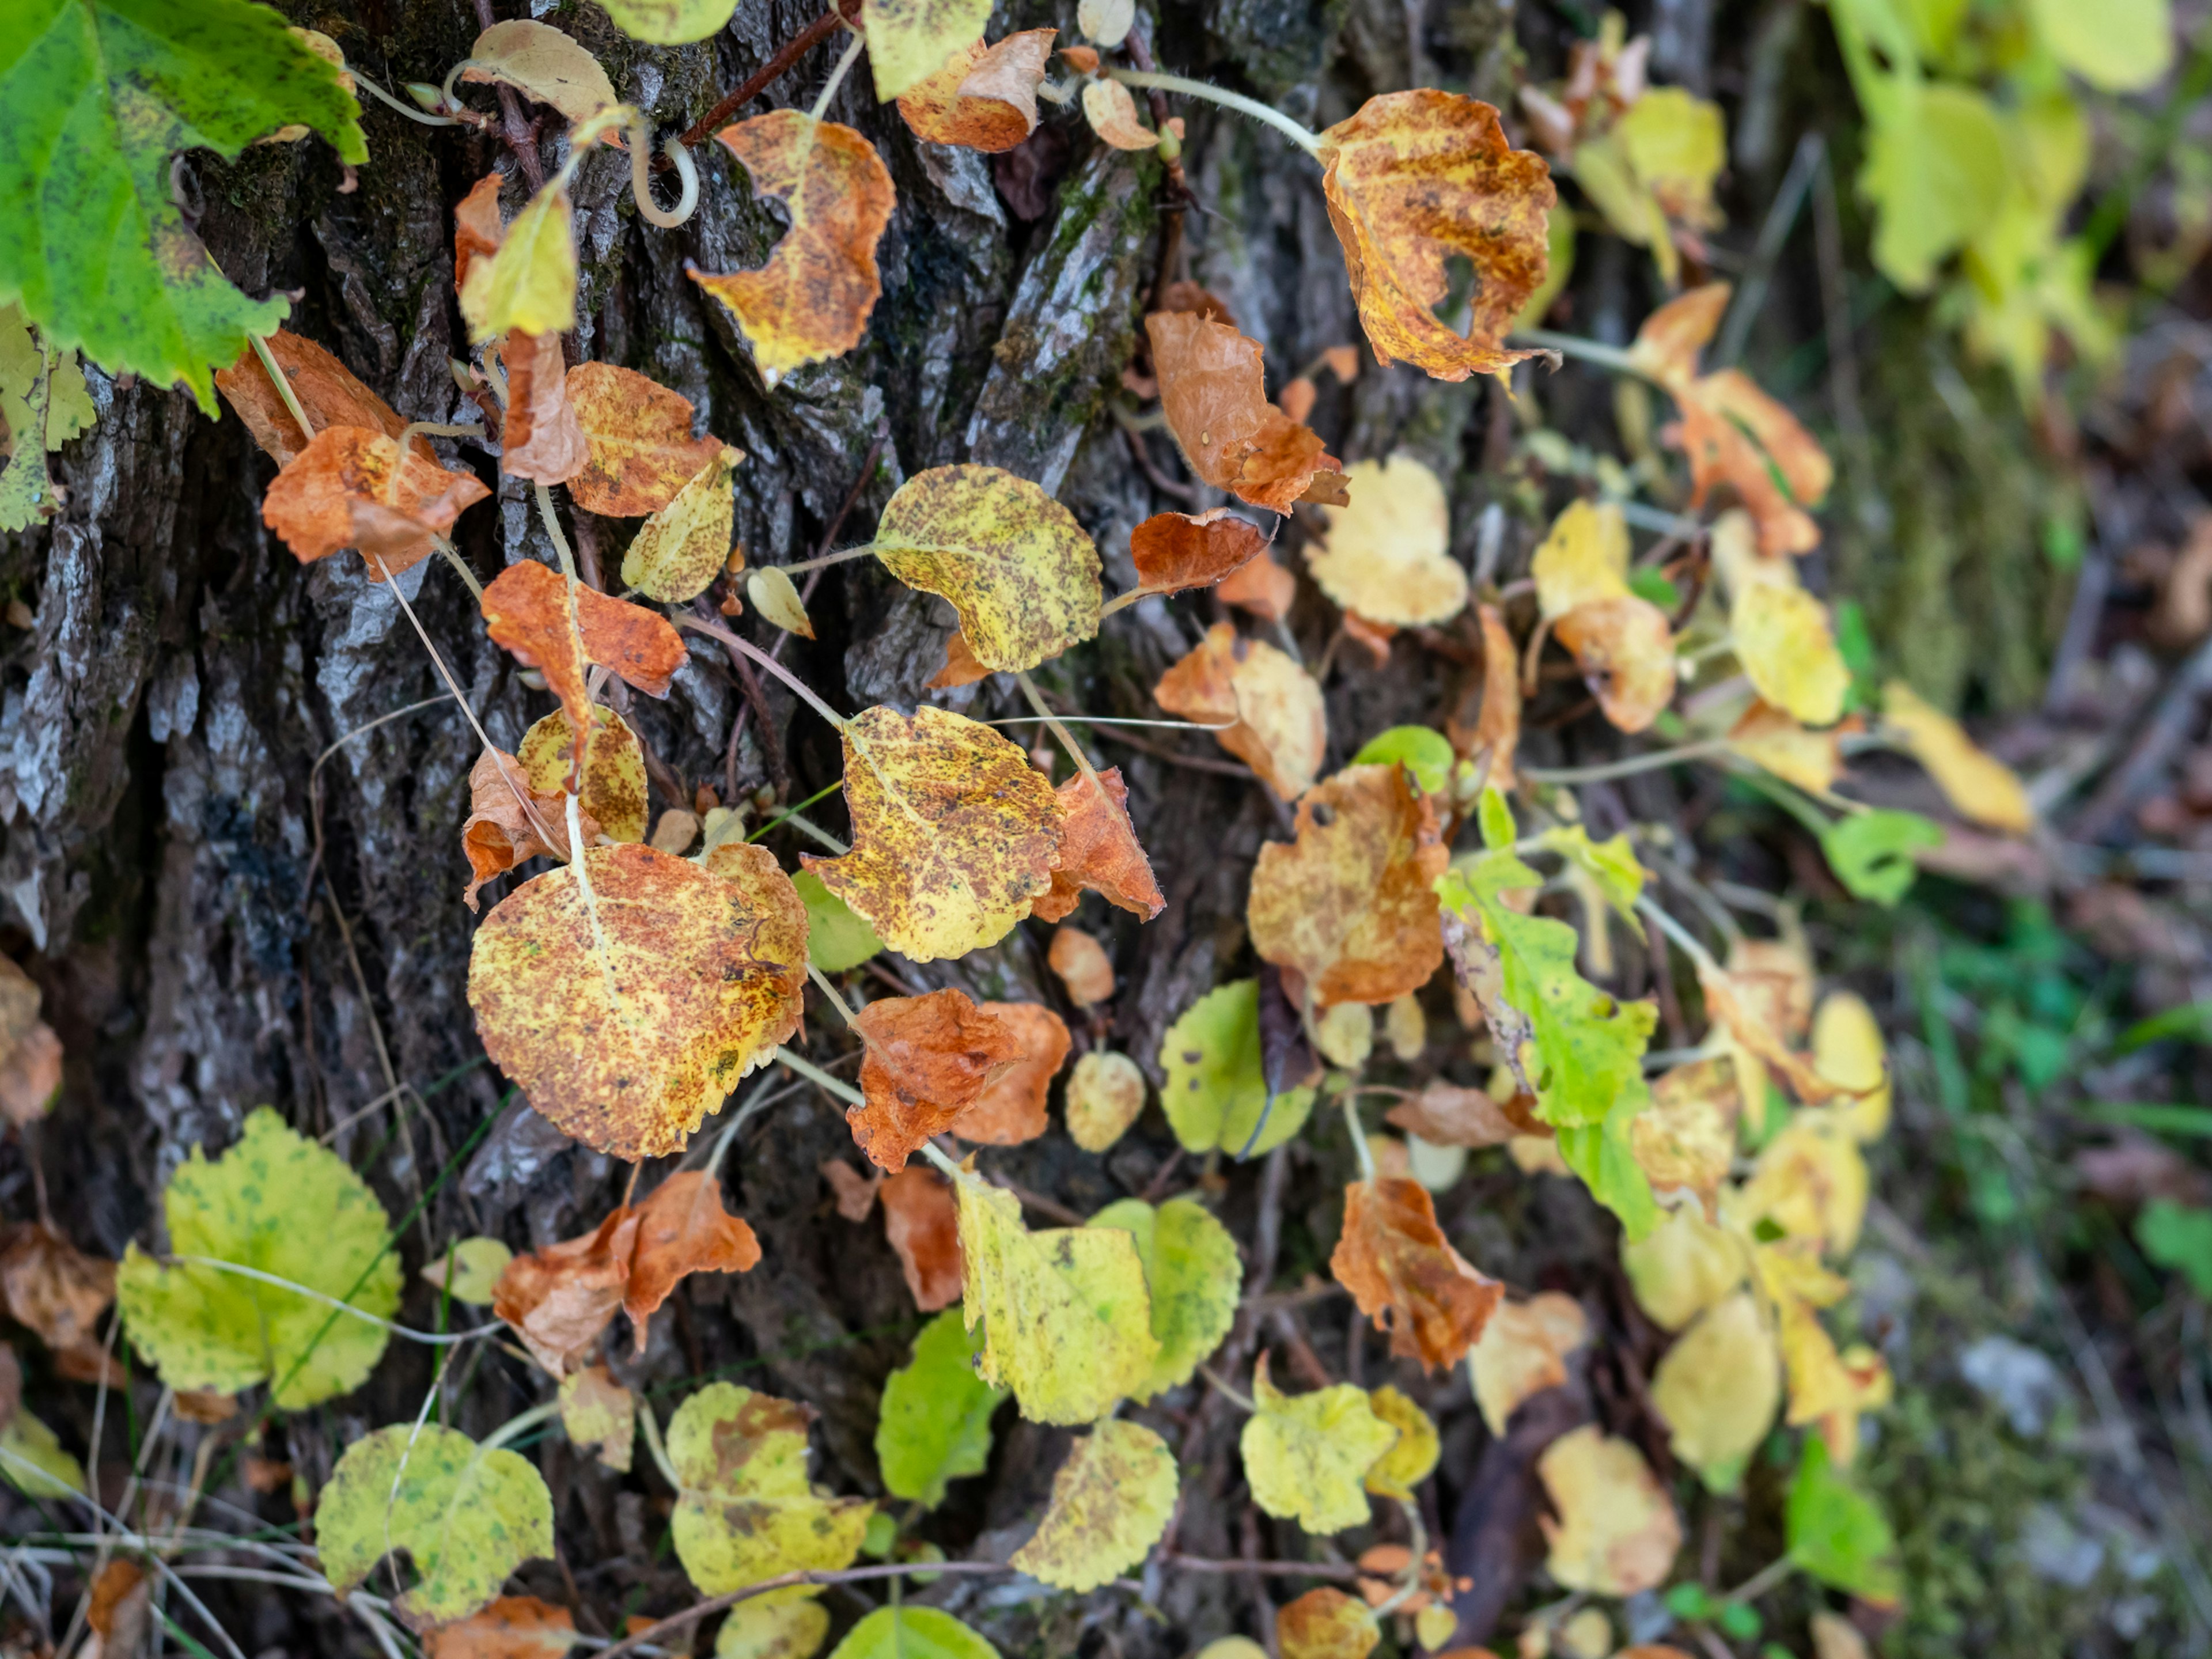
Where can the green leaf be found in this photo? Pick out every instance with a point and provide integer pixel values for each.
(1195, 1275)
(279, 1204)
(43, 404)
(98, 95)
(1871, 852)
(1215, 1089)
(935, 1422)
(466, 1517)
(1650, 582)
(33, 1463)
(1611, 863)
(743, 1509)
(837, 936)
(2173, 1236)
(912, 1632)
(2116, 46)
(670, 22)
(1306, 1456)
(1936, 172)
(1427, 751)
(1837, 1533)
(1111, 1503)
(1603, 1155)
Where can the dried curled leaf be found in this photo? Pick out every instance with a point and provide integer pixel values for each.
(811, 300)
(1281, 729)
(510, 822)
(349, 488)
(629, 1009)
(929, 1059)
(1489, 741)
(327, 391)
(510, 1627)
(1626, 652)
(559, 1299)
(53, 1288)
(1388, 555)
(542, 63)
(1413, 179)
(541, 439)
(1754, 1008)
(639, 433)
(1686, 1138)
(743, 1509)
(954, 832)
(1260, 587)
(1021, 572)
(1405, 1275)
(477, 229)
(682, 547)
(1174, 551)
(1617, 1533)
(1981, 786)
(1213, 390)
(1444, 1115)
(1083, 966)
(985, 97)
(1112, 114)
(1307, 1455)
(922, 1221)
(1010, 1109)
(682, 1229)
(1111, 1503)
(1098, 851)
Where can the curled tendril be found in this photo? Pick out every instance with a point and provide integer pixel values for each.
(641, 178)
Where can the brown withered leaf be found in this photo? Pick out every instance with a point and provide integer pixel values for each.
(1214, 392)
(960, 668)
(1405, 1275)
(477, 230)
(512, 1627)
(1083, 966)
(1412, 179)
(1326, 1624)
(31, 1075)
(985, 97)
(509, 823)
(1626, 652)
(560, 1298)
(811, 300)
(1282, 728)
(1098, 853)
(1754, 1007)
(54, 1289)
(1112, 114)
(348, 488)
(542, 438)
(1350, 905)
(1491, 738)
(921, 1219)
(1174, 551)
(639, 433)
(1444, 1115)
(1012, 1108)
(1260, 587)
(682, 1229)
(928, 1058)
(855, 1193)
(328, 392)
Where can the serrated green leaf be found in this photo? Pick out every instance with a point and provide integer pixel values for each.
(99, 96)
(467, 1517)
(1215, 1089)
(1871, 852)
(935, 1422)
(912, 1632)
(1426, 750)
(1605, 1158)
(838, 937)
(1195, 1275)
(282, 1206)
(1307, 1455)
(1611, 863)
(743, 1509)
(33, 1461)
(1110, 1502)
(1838, 1534)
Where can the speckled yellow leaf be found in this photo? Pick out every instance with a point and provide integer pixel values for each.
(761, 1627)
(601, 1414)
(670, 22)
(1686, 1137)
(1013, 562)
(1617, 1533)
(1810, 1182)
(1105, 1093)
(909, 40)
(1388, 555)
(1847, 1050)
(1685, 1266)
(1981, 786)
(1413, 1458)
(476, 1264)
(1781, 632)
(1281, 729)
(954, 832)
(613, 794)
(1193, 1276)
(530, 283)
(1718, 1388)
(744, 1510)
(1307, 1455)
(681, 549)
(1584, 557)
(1523, 1351)
(1066, 1318)
(1110, 1502)
(628, 1008)
(984, 97)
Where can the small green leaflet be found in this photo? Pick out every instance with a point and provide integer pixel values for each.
(1837, 1533)
(1871, 852)
(837, 936)
(935, 1423)
(1611, 863)
(43, 404)
(99, 97)
(912, 1632)
(2175, 1236)
(1215, 1089)
(34, 1461)
(1193, 1272)
(466, 1517)
(1422, 748)
(1600, 1153)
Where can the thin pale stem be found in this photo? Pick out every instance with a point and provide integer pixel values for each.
(814, 1074)
(641, 178)
(1094, 720)
(936, 1155)
(821, 981)
(843, 555)
(1596, 353)
(284, 385)
(1123, 601)
(1359, 1135)
(1066, 738)
(1627, 766)
(805, 692)
(1228, 1391)
(420, 117)
(651, 1425)
(468, 576)
(1762, 1581)
(793, 814)
(1679, 935)
(838, 77)
(518, 1426)
(1303, 138)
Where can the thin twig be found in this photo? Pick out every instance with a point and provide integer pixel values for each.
(773, 70)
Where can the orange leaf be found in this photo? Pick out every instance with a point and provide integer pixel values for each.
(1176, 550)
(1372, 637)
(812, 298)
(1415, 178)
(513, 1627)
(1326, 1624)
(347, 489)
(53, 1288)
(960, 668)
(1406, 1276)
(1083, 966)
(1197, 299)
(682, 1229)
(1495, 733)
(855, 1193)
(31, 1075)
(1098, 853)
(985, 97)
(476, 227)
(542, 438)
(510, 823)
(1260, 587)
(921, 1220)
(1444, 1115)
(1626, 652)
(639, 433)
(560, 1298)
(326, 389)
(1214, 392)
(928, 1058)
(1351, 905)
(1012, 1108)
(1281, 729)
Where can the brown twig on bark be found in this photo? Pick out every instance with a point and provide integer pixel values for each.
(520, 134)
(771, 743)
(845, 11)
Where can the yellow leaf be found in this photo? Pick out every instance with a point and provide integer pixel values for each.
(909, 40)
(530, 283)
(1105, 1093)
(1686, 1137)
(680, 549)
(1796, 1284)
(1307, 1455)
(1676, 143)
(1718, 1388)
(541, 62)
(1110, 1505)
(476, 1265)
(628, 1015)
(1847, 1050)
(1869, 1387)
(1684, 1266)
(2121, 45)
(1766, 736)
(1388, 555)
(1810, 1182)
(1067, 1319)
(1584, 558)
(613, 794)
(1781, 632)
(1617, 1533)
(954, 832)
(1625, 650)
(761, 1627)
(744, 1510)
(670, 22)
(1281, 730)
(1013, 562)
(1413, 1458)
(775, 599)
(985, 97)
(1983, 787)
(1523, 1350)
(600, 1414)
(1112, 114)
(1326, 1624)
(811, 300)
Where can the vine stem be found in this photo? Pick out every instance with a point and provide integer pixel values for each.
(822, 982)
(1762, 1581)
(421, 117)
(1679, 935)
(769, 73)
(1304, 138)
(1066, 738)
(1628, 766)
(641, 177)
(806, 693)
(651, 1424)
(1359, 1135)
(1619, 359)
(824, 560)
(838, 77)
(1123, 601)
(813, 1074)
(518, 1426)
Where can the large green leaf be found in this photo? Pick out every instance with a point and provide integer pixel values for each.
(910, 1632)
(1195, 1275)
(1216, 1090)
(280, 1205)
(98, 95)
(935, 1423)
(1835, 1532)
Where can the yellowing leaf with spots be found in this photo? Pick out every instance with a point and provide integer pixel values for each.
(1523, 1351)
(744, 1510)
(1617, 1533)
(601, 1414)
(1111, 1503)
(466, 1517)
(1717, 1389)
(1013, 562)
(1216, 1092)
(628, 999)
(954, 832)
(1307, 1455)
(1414, 179)
(278, 1204)
(811, 300)
(984, 97)
(1193, 1276)
(613, 794)
(681, 548)
(1067, 1319)
(1981, 786)
(1781, 632)
(530, 282)
(1795, 1285)
(1409, 1462)
(911, 40)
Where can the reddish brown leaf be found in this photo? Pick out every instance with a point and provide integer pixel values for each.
(560, 1298)
(639, 433)
(1444, 1115)
(1197, 299)
(1372, 637)
(1405, 1275)
(855, 1193)
(53, 1288)
(922, 1221)
(1214, 392)
(1280, 726)
(542, 439)
(509, 823)
(1177, 550)
(1260, 587)
(1011, 1107)
(928, 1058)
(31, 1075)
(513, 1627)
(1495, 731)
(476, 227)
(348, 488)
(1099, 852)
(682, 1229)
(327, 391)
